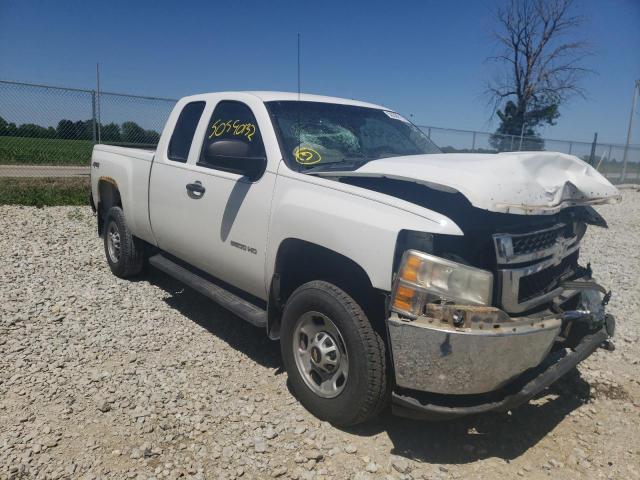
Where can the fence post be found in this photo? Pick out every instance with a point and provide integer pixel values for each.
(593, 148)
(93, 114)
(473, 142)
(608, 156)
(636, 89)
(521, 135)
(429, 132)
(511, 147)
(570, 147)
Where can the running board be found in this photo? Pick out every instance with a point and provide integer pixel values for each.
(236, 305)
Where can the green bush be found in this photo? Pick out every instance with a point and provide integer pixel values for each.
(44, 151)
(39, 192)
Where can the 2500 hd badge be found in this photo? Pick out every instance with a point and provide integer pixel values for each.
(244, 248)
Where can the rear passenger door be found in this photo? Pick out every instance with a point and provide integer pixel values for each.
(209, 216)
(168, 209)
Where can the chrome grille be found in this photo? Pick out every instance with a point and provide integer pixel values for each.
(531, 265)
(528, 243)
(544, 281)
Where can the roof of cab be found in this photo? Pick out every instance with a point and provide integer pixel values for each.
(304, 97)
(308, 97)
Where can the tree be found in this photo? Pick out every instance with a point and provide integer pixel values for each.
(65, 129)
(83, 129)
(507, 136)
(110, 133)
(31, 130)
(151, 137)
(540, 68)
(11, 130)
(132, 133)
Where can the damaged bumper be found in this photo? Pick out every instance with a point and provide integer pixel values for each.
(434, 355)
(460, 360)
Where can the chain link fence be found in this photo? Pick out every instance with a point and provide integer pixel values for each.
(48, 131)
(607, 158)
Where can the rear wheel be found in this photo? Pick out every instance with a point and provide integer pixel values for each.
(334, 358)
(124, 252)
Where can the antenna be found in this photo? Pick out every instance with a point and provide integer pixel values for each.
(298, 106)
(298, 66)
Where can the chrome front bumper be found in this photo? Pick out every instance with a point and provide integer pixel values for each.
(521, 390)
(485, 352)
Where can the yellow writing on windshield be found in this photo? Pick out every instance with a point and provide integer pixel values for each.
(234, 127)
(306, 156)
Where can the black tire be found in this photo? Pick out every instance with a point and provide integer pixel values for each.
(130, 259)
(365, 390)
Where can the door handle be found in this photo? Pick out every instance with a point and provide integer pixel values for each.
(195, 190)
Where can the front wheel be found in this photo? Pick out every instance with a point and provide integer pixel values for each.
(334, 358)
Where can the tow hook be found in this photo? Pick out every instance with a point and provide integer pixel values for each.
(610, 326)
(576, 315)
(586, 315)
(608, 345)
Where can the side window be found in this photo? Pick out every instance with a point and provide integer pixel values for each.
(231, 121)
(182, 136)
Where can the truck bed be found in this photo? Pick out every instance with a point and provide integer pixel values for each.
(126, 169)
(133, 152)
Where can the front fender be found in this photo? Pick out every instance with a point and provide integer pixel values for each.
(359, 224)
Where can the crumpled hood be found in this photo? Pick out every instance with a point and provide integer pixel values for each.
(527, 183)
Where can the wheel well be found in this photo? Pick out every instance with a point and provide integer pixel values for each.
(299, 262)
(108, 196)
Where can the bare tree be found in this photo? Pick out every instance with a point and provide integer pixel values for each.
(540, 63)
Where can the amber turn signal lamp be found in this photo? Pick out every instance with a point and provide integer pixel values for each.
(403, 299)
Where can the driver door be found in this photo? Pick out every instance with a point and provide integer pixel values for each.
(209, 216)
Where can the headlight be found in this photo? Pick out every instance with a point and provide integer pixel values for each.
(424, 278)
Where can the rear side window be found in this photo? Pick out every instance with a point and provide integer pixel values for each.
(182, 136)
(232, 120)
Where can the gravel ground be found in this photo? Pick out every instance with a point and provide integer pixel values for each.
(104, 378)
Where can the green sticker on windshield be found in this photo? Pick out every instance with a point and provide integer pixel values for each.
(306, 156)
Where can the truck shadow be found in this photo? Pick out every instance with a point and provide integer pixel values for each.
(469, 439)
(218, 321)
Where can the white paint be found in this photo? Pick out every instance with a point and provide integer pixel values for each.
(231, 209)
(514, 182)
(396, 116)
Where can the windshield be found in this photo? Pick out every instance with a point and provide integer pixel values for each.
(322, 136)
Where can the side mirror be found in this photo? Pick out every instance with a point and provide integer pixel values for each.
(233, 156)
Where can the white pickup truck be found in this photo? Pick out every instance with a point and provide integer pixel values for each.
(444, 284)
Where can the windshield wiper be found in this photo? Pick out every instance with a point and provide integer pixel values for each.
(347, 163)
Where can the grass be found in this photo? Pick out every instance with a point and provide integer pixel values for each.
(44, 151)
(40, 192)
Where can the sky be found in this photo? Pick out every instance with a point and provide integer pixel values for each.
(424, 59)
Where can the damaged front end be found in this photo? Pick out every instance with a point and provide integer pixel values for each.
(466, 340)
(485, 320)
